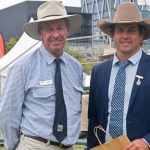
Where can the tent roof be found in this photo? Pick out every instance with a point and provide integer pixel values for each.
(24, 44)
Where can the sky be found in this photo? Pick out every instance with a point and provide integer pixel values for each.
(7, 3)
(143, 1)
(76, 3)
(68, 2)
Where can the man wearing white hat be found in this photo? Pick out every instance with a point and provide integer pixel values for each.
(108, 53)
(41, 101)
(120, 88)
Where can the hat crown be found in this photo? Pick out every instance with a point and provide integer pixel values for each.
(123, 13)
(51, 8)
(108, 51)
(126, 13)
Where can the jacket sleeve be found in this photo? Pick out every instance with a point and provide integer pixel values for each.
(11, 107)
(92, 114)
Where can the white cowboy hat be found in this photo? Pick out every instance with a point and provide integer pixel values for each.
(52, 10)
(108, 51)
(127, 12)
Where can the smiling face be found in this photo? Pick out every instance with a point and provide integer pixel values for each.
(127, 39)
(54, 34)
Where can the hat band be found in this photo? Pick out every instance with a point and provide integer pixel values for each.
(50, 16)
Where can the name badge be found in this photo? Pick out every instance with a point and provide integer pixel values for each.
(46, 82)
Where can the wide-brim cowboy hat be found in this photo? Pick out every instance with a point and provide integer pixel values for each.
(52, 10)
(108, 51)
(126, 13)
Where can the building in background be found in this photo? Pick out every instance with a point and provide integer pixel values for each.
(13, 18)
(105, 9)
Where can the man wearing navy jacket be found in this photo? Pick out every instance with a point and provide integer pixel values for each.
(132, 116)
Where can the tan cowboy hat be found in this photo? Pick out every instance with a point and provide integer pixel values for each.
(108, 51)
(52, 10)
(127, 12)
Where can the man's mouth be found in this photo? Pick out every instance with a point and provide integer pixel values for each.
(56, 42)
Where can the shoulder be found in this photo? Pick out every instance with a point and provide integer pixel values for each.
(102, 66)
(145, 56)
(25, 62)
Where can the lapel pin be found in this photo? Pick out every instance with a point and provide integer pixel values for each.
(139, 78)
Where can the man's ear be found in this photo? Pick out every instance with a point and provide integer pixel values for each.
(67, 34)
(111, 32)
(40, 37)
(112, 36)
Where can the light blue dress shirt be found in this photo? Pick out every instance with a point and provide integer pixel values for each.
(28, 100)
(131, 70)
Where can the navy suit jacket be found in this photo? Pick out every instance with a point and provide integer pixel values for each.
(138, 116)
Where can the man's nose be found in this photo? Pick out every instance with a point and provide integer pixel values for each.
(125, 34)
(55, 33)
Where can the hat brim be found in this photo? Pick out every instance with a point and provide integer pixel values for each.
(105, 55)
(109, 54)
(105, 25)
(74, 22)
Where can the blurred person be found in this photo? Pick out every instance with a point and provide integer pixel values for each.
(40, 106)
(107, 54)
(120, 88)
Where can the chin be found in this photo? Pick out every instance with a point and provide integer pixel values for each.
(125, 48)
(56, 48)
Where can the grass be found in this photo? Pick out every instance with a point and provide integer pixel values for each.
(76, 147)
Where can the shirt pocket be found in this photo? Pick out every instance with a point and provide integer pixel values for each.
(76, 97)
(44, 94)
(77, 90)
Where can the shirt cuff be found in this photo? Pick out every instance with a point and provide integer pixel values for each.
(146, 142)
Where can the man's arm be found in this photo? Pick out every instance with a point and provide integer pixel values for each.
(11, 106)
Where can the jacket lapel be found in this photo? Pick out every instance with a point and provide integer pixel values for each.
(141, 71)
(106, 85)
(108, 72)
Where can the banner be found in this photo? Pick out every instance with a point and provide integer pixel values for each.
(2, 52)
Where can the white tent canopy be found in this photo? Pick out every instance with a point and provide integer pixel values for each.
(24, 45)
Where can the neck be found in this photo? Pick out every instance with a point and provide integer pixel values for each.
(123, 56)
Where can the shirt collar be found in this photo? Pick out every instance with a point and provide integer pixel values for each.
(49, 57)
(133, 59)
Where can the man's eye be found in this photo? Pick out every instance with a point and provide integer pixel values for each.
(132, 30)
(49, 29)
(119, 30)
(61, 28)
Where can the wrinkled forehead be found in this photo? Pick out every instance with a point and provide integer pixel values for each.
(53, 22)
(126, 26)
